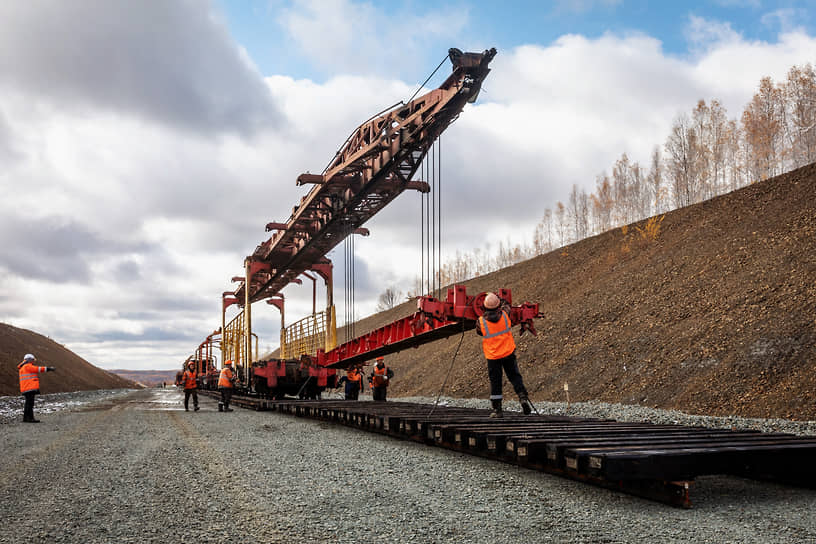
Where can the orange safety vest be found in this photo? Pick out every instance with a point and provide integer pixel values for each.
(354, 376)
(29, 381)
(497, 338)
(190, 379)
(225, 380)
(379, 377)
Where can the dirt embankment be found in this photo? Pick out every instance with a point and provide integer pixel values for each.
(715, 315)
(73, 373)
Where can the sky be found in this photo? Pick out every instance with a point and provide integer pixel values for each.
(142, 155)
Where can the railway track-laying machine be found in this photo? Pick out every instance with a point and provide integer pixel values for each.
(374, 165)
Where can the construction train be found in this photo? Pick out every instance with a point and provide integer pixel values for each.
(375, 164)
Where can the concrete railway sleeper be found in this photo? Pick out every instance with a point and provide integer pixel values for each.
(658, 462)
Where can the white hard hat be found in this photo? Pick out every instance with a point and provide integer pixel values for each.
(491, 301)
(29, 357)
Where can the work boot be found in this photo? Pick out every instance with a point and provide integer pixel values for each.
(497, 408)
(525, 405)
(228, 409)
(196, 408)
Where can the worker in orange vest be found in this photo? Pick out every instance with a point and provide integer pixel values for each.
(190, 379)
(226, 383)
(30, 384)
(380, 377)
(354, 383)
(500, 351)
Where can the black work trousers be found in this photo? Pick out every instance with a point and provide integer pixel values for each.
(28, 408)
(378, 393)
(352, 391)
(187, 393)
(226, 396)
(510, 367)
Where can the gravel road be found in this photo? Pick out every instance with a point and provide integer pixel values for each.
(137, 468)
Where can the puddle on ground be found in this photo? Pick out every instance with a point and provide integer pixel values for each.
(170, 398)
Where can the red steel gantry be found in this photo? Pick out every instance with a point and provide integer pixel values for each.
(374, 166)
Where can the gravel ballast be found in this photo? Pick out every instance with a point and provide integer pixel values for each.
(137, 468)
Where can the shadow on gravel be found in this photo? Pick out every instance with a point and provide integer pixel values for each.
(711, 492)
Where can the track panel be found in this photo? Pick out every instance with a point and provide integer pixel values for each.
(657, 462)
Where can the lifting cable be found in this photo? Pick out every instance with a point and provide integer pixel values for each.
(429, 78)
(432, 241)
(348, 243)
(431, 223)
(348, 281)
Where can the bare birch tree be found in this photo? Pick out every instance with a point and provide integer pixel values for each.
(388, 299)
(561, 223)
(603, 203)
(542, 237)
(578, 210)
(654, 182)
(800, 99)
(681, 166)
(762, 126)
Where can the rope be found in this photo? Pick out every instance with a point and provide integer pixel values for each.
(533, 406)
(302, 387)
(353, 132)
(400, 103)
(429, 78)
(436, 402)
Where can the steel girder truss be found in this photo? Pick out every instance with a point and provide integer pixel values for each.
(434, 319)
(373, 167)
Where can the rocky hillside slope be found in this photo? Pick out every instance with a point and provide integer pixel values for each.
(73, 373)
(716, 314)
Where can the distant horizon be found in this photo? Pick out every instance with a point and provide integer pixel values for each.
(141, 370)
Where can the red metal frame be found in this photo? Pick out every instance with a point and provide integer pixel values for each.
(374, 166)
(203, 357)
(434, 319)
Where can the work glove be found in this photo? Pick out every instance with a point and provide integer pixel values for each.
(50, 369)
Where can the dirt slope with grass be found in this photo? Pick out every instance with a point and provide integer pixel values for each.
(73, 373)
(715, 315)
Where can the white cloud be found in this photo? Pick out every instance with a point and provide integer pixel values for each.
(785, 20)
(704, 34)
(347, 37)
(169, 62)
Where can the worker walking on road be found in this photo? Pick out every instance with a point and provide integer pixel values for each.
(226, 382)
(500, 352)
(30, 384)
(380, 378)
(190, 379)
(354, 383)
